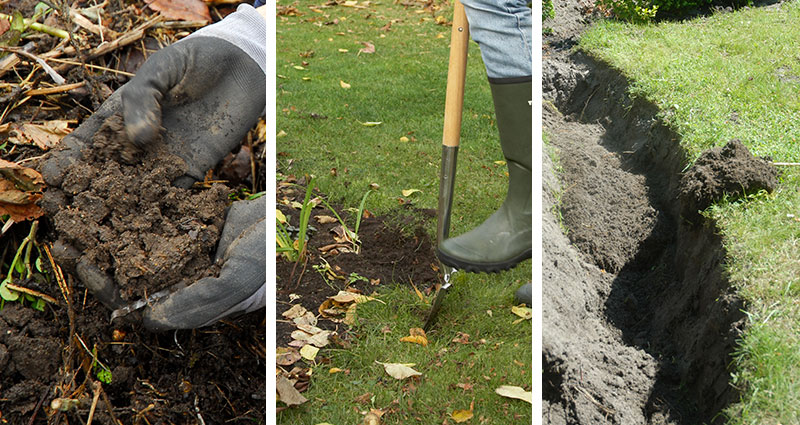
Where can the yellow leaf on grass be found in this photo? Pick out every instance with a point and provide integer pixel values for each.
(409, 192)
(344, 85)
(421, 340)
(522, 311)
(335, 370)
(371, 123)
(399, 370)
(461, 416)
(343, 50)
(280, 134)
(298, 67)
(515, 392)
(419, 294)
(309, 352)
(416, 336)
(404, 139)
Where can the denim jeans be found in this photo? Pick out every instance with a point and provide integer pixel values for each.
(502, 29)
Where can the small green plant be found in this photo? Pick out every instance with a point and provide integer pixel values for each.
(355, 277)
(352, 235)
(295, 249)
(21, 264)
(102, 371)
(634, 11)
(548, 11)
(328, 274)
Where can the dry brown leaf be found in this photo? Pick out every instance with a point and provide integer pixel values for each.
(286, 356)
(288, 393)
(325, 219)
(368, 48)
(182, 10)
(45, 135)
(295, 311)
(462, 338)
(307, 319)
(371, 418)
(20, 190)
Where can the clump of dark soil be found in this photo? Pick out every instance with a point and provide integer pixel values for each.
(727, 170)
(131, 222)
(388, 255)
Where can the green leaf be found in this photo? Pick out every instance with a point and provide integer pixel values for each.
(104, 375)
(8, 294)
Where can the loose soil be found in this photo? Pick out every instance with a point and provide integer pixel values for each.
(130, 221)
(388, 255)
(639, 319)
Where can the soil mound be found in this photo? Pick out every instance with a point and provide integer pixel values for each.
(728, 170)
(130, 221)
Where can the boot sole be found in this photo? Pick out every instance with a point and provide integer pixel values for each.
(482, 267)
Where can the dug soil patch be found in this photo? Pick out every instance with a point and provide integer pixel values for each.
(387, 255)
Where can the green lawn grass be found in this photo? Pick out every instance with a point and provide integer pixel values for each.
(736, 75)
(321, 131)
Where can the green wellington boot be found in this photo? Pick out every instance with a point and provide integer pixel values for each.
(504, 239)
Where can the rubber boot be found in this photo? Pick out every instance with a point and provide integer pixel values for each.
(504, 239)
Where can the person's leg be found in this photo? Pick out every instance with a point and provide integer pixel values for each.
(503, 30)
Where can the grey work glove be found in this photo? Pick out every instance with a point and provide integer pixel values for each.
(201, 95)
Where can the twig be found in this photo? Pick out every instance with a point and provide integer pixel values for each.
(101, 68)
(29, 291)
(96, 397)
(40, 27)
(12, 60)
(109, 407)
(53, 90)
(58, 79)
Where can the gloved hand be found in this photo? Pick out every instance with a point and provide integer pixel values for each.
(201, 95)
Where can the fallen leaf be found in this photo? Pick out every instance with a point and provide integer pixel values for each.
(409, 192)
(399, 370)
(363, 398)
(325, 219)
(421, 340)
(298, 67)
(280, 217)
(182, 10)
(288, 393)
(306, 319)
(371, 419)
(369, 48)
(522, 311)
(461, 416)
(309, 352)
(404, 139)
(462, 338)
(297, 310)
(419, 294)
(20, 190)
(286, 356)
(335, 370)
(371, 123)
(465, 386)
(515, 392)
(500, 162)
(45, 135)
(416, 336)
(344, 85)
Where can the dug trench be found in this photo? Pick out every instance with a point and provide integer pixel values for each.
(639, 318)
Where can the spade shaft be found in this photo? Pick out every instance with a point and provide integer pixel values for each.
(451, 137)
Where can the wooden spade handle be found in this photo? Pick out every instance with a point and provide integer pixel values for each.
(456, 73)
